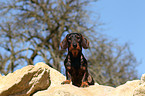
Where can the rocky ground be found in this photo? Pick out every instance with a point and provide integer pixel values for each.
(42, 80)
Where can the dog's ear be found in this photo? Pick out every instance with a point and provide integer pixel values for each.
(64, 43)
(85, 43)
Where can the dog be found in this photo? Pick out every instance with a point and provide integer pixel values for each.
(75, 62)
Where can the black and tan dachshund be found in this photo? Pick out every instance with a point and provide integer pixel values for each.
(75, 62)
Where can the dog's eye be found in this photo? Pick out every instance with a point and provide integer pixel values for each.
(78, 38)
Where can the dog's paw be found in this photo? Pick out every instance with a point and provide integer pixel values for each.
(66, 82)
(84, 84)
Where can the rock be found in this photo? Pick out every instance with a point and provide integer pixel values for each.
(70, 90)
(42, 80)
(142, 79)
(25, 81)
(55, 76)
(1, 76)
(126, 89)
(140, 90)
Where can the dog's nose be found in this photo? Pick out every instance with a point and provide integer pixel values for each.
(74, 45)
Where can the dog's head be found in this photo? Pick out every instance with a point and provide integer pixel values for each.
(74, 42)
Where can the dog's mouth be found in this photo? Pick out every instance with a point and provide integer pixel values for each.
(75, 52)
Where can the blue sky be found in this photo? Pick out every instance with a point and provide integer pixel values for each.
(125, 20)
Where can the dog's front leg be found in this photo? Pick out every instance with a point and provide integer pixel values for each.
(68, 75)
(68, 78)
(84, 81)
(85, 75)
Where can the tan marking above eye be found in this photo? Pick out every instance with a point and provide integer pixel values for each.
(69, 38)
(77, 36)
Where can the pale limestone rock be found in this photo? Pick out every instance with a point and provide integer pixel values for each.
(70, 90)
(142, 79)
(42, 80)
(140, 90)
(25, 81)
(55, 76)
(126, 89)
(1, 76)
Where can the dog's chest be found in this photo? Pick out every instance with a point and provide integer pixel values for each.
(76, 64)
(76, 69)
